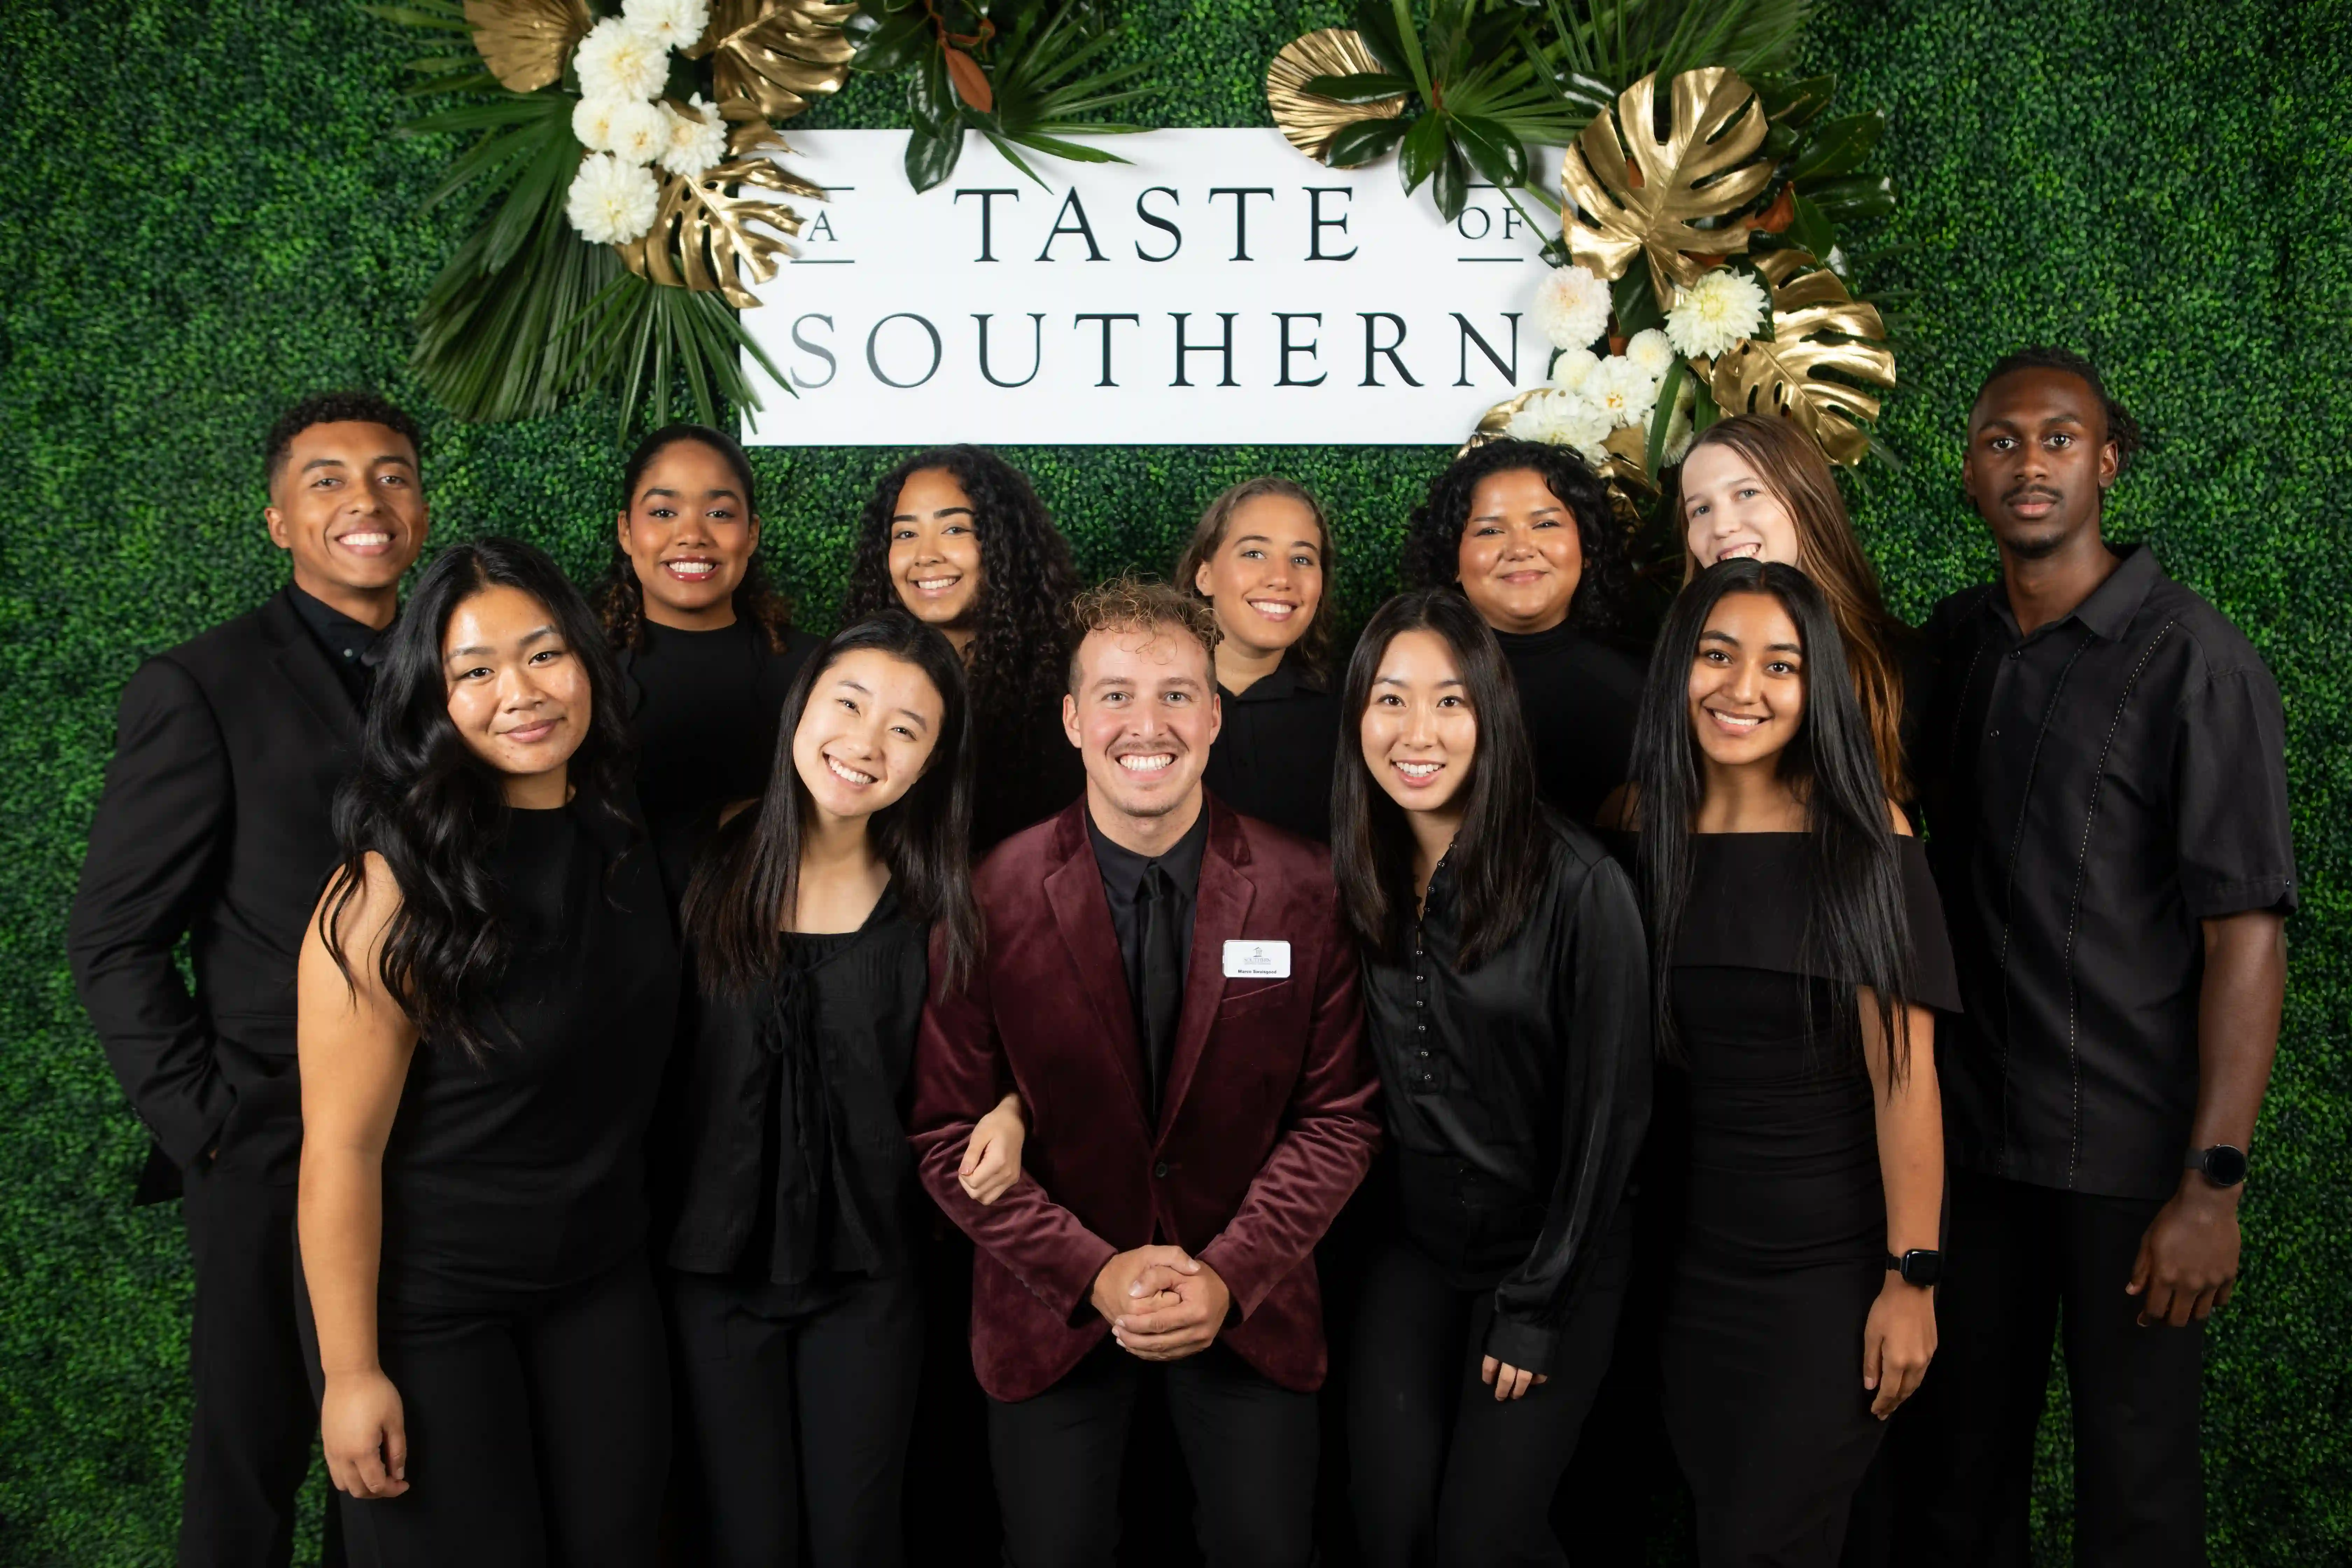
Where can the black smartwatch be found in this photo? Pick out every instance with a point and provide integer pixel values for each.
(2224, 1165)
(1918, 1266)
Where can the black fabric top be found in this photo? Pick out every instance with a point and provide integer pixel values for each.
(1026, 771)
(1154, 950)
(706, 707)
(1517, 1092)
(1579, 697)
(787, 1135)
(348, 642)
(2092, 792)
(1275, 748)
(525, 1173)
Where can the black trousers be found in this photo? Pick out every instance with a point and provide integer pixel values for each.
(538, 1433)
(2019, 1260)
(1445, 1475)
(251, 1440)
(794, 1418)
(1249, 1443)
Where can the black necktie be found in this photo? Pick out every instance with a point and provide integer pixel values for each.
(1163, 990)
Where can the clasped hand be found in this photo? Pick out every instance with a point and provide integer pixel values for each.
(1161, 1303)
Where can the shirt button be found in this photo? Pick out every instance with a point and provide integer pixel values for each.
(1993, 735)
(1160, 1170)
(1425, 1056)
(1429, 1078)
(1419, 1003)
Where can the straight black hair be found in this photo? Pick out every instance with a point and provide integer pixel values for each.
(748, 878)
(1857, 928)
(1371, 847)
(427, 803)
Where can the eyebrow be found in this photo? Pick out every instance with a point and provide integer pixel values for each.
(1268, 539)
(943, 511)
(707, 495)
(338, 463)
(1399, 680)
(473, 650)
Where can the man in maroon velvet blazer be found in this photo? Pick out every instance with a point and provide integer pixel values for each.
(1169, 987)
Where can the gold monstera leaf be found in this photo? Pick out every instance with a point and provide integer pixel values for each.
(1308, 121)
(770, 58)
(1817, 326)
(1645, 195)
(524, 42)
(708, 238)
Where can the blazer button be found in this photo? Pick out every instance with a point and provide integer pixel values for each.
(1160, 1170)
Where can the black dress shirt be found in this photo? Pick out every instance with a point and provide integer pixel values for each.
(1579, 697)
(1517, 1092)
(1275, 749)
(1123, 872)
(348, 642)
(2092, 792)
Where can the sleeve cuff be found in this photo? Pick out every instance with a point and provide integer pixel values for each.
(2267, 894)
(1526, 1346)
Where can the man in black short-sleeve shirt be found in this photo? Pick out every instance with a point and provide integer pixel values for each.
(2103, 767)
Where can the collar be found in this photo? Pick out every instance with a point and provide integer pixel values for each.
(2107, 613)
(330, 624)
(1122, 868)
(1286, 680)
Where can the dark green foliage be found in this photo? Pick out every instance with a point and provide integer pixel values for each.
(205, 214)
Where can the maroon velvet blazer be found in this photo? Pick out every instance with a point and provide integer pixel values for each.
(1267, 1123)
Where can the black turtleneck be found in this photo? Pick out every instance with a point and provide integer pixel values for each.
(1275, 750)
(1579, 697)
(347, 642)
(708, 705)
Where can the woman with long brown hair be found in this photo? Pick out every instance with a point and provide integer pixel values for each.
(1753, 485)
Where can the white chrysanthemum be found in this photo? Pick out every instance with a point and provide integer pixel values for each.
(1571, 307)
(1572, 368)
(618, 60)
(612, 203)
(1561, 420)
(592, 122)
(1715, 313)
(678, 23)
(697, 139)
(1622, 389)
(1652, 351)
(639, 134)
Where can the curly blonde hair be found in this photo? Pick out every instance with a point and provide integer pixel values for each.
(1128, 602)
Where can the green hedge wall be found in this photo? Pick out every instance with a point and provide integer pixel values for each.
(204, 214)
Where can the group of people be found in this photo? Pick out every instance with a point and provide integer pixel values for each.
(659, 1086)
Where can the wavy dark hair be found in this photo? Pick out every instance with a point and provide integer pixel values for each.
(620, 598)
(1371, 847)
(751, 873)
(1857, 928)
(427, 803)
(1314, 645)
(1433, 540)
(1026, 580)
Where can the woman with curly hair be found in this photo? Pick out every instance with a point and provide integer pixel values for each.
(1261, 557)
(706, 646)
(958, 538)
(1523, 532)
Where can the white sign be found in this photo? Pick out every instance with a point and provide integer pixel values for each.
(1219, 288)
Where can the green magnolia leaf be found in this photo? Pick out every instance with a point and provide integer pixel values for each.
(932, 158)
(1837, 147)
(1811, 229)
(1634, 302)
(1366, 139)
(930, 96)
(894, 46)
(1795, 104)
(1491, 149)
(1423, 147)
(1847, 201)
(1375, 22)
(1450, 184)
(1365, 87)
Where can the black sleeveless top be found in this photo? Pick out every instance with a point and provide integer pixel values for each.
(525, 1172)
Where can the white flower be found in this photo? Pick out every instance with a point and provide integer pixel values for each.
(619, 60)
(1571, 307)
(677, 24)
(592, 122)
(1622, 389)
(1652, 351)
(1715, 313)
(612, 203)
(1561, 420)
(1573, 368)
(639, 134)
(697, 139)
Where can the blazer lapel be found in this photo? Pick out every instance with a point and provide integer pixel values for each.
(1082, 916)
(1219, 908)
(304, 664)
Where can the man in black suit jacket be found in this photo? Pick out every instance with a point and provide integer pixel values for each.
(215, 826)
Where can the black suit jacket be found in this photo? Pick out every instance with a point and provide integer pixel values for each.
(213, 826)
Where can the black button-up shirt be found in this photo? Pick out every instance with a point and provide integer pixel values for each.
(1275, 750)
(1518, 1091)
(2092, 792)
(1122, 871)
(347, 642)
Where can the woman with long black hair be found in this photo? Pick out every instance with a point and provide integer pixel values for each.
(484, 1002)
(797, 1320)
(1796, 946)
(1506, 994)
(958, 538)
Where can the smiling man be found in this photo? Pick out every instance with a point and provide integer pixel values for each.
(2105, 781)
(1169, 988)
(215, 826)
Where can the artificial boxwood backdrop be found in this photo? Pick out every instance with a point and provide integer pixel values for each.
(204, 214)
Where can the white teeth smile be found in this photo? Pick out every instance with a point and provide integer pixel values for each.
(1419, 770)
(849, 775)
(366, 541)
(1742, 552)
(1272, 610)
(692, 568)
(936, 585)
(1734, 720)
(1150, 765)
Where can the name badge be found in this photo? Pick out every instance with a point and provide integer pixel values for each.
(1258, 961)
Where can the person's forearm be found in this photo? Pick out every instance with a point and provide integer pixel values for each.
(340, 1221)
(2238, 1008)
(1910, 1118)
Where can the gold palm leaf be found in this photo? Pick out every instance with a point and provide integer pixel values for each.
(774, 56)
(707, 238)
(1708, 165)
(1814, 325)
(524, 42)
(1310, 122)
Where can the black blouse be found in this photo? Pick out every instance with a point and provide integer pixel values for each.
(787, 1130)
(1026, 771)
(706, 707)
(1579, 696)
(1517, 1092)
(1274, 751)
